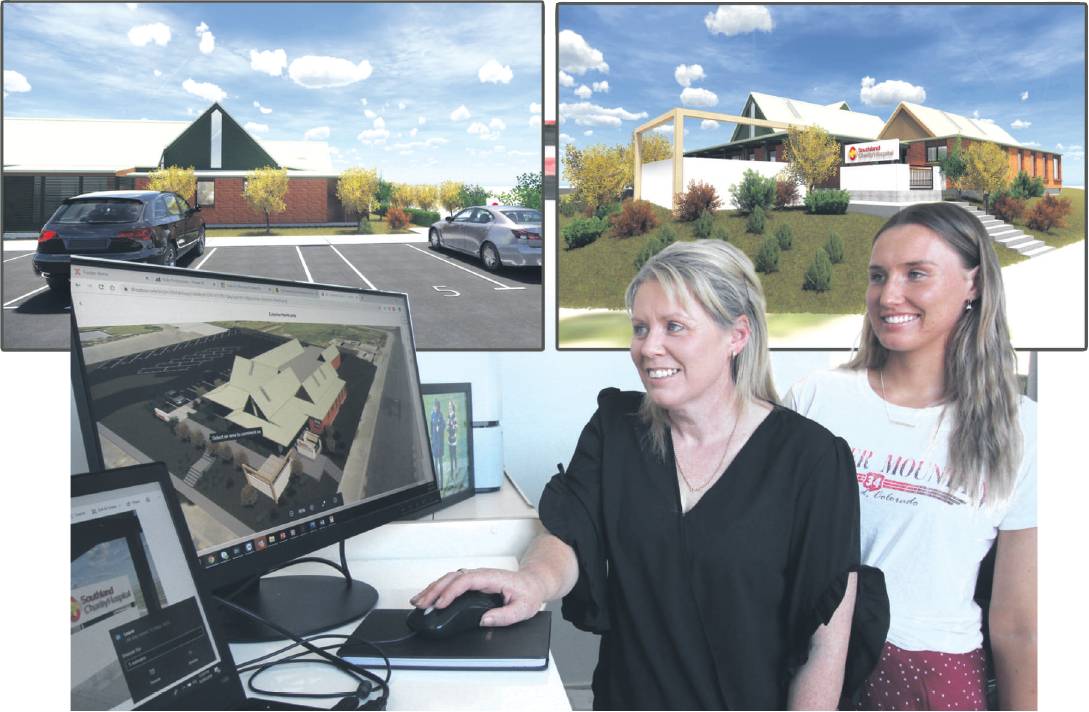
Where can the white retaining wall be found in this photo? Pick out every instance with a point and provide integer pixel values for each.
(887, 176)
(723, 174)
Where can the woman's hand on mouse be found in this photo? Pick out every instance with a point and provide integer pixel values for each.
(522, 596)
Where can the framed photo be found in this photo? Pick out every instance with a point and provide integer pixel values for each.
(449, 413)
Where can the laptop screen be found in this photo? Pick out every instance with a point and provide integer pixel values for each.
(140, 633)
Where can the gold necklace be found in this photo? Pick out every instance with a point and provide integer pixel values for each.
(721, 462)
(888, 414)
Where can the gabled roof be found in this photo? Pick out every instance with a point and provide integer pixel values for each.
(942, 124)
(45, 145)
(834, 118)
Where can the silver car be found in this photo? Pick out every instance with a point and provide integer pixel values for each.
(499, 235)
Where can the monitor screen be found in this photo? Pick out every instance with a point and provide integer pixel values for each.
(288, 414)
(139, 629)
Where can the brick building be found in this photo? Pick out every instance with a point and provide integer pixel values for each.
(47, 160)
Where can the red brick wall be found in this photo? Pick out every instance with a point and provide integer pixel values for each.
(306, 203)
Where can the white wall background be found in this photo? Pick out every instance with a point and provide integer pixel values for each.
(886, 176)
(723, 174)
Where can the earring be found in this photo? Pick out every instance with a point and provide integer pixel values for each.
(967, 306)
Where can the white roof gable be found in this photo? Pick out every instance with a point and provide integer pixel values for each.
(834, 120)
(943, 123)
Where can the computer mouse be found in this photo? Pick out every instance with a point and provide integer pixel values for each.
(463, 614)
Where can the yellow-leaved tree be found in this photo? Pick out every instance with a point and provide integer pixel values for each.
(265, 191)
(426, 196)
(450, 195)
(401, 195)
(174, 179)
(986, 169)
(813, 155)
(598, 174)
(356, 189)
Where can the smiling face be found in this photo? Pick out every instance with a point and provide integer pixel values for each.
(681, 353)
(918, 290)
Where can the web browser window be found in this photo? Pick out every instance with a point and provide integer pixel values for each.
(276, 408)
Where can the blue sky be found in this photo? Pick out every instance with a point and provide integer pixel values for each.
(423, 92)
(1021, 66)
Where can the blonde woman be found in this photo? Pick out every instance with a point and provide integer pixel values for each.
(945, 461)
(708, 534)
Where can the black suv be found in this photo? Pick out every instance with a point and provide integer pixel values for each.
(135, 225)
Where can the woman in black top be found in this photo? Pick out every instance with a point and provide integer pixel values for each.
(706, 533)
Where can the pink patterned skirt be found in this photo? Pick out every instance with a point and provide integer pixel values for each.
(925, 680)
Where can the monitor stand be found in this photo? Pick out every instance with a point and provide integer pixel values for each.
(303, 604)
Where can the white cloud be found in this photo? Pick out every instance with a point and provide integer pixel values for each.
(692, 96)
(566, 80)
(732, 20)
(205, 90)
(319, 72)
(588, 132)
(207, 39)
(534, 107)
(489, 131)
(401, 105)
(1031, 144)
(601, 86)
(889, 92)
(977, 117)
(254, 127)
(132, 5)
(460, 114)
(498, 124)
(587, 114)
(685, 74)
(369, 114)
(15, 82)
(576, 56)
(708, 125)
(270, 61)
(413, 131)
(262, 109)
(1019, 124)
(584, 92)
(377, 133)
(566, 138)
(318, 133)
(156, 32)
(363, 101)
(156, 72)
(1024, 96)
(492, 72)
(535, 120)
(422, 120)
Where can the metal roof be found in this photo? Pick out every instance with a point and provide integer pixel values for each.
(831, 118)
(42, 145)
(943, 123)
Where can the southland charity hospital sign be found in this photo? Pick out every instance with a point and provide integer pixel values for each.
(872, 151)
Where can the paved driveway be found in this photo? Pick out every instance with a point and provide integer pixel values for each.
(455, 304)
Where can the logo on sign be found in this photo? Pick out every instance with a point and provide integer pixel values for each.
(853, 153)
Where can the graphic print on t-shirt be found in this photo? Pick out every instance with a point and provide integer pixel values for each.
(900, 479)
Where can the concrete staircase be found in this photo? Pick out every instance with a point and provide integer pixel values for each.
(198, 468)
(1007, 235)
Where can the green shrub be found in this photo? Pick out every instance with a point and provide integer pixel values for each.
(661, 240)
(365, 227)
(424, 218)
(636, 217)
(824, 201)
(818, 277)
(472, 195)
(582, 231)
(1048, 212)
(786, 193)
(1025, 186)
(785, 236)
(755, 223)
(701, 228)
(569, 206)
(834, 248)
(689, 205)
(719, 233)
(767, 259)
(607, 210)
(752, 192)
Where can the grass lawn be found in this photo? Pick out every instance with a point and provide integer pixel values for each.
(378, 227)
(596, 275)
(1075, 221)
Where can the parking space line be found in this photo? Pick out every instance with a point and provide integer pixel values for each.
(305, 268)
(206, 258)
(12, 259)
(369, 284)
(501, 288)
(6, 304)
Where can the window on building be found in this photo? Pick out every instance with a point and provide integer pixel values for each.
(1055, 169)
(936, 152)
(216, 148)
(206, 193)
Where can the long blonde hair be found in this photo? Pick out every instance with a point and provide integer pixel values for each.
(720, 278)
(980, 363)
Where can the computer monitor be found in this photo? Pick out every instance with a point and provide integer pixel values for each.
(288, 414)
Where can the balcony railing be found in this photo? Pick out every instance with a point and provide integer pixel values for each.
(922, 178)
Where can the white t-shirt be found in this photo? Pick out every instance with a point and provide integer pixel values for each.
(927, 540)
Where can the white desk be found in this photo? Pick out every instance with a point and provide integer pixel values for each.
(399, 559)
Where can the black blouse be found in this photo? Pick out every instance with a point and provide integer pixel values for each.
(713, 608)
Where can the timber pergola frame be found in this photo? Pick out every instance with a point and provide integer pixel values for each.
(677, 116)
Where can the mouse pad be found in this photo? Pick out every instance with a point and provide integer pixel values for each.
(523, 646)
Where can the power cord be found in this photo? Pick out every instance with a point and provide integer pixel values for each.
(357, 699)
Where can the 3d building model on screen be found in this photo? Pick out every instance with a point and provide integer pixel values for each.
(259, 423)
